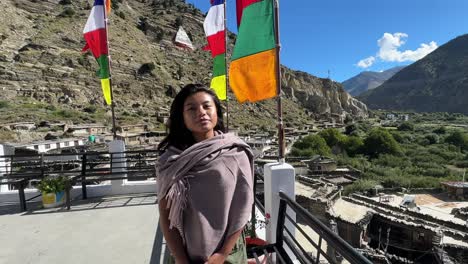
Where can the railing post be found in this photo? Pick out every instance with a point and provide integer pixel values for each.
(22, 196)
(5, 166)
(42, 165)
(278, 177)
(118, 163)
(83, 176)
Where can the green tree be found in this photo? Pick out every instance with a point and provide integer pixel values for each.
(349, 129)
(353, 145)
(458, 139)
(332, 136)
(380, 141)
(309, 146)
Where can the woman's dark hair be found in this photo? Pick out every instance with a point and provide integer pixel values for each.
(178, 134)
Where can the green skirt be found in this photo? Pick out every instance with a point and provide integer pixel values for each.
(238, 254)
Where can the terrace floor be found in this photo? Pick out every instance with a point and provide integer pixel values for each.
(118, 229)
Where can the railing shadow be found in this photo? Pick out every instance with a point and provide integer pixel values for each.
(95, 203)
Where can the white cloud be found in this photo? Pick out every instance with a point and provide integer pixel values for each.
(389, 45)
(366, 63)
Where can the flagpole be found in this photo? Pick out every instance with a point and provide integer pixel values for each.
(226, 66)
(114, 131)
(281, 145)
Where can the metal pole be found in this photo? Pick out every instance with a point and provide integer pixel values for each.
(114, 131)
(281, 146)
(226, 66)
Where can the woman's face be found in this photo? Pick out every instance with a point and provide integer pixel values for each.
(200, 115)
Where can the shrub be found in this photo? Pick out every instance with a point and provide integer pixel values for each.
(146, 68)
(406, 126)
(432, 138)
(387, 160)
(68, 12)
(4, 104)
(441, 130)
(90, 109)
(120, 14)
(179, 21)
(143, 24)
(360, 185)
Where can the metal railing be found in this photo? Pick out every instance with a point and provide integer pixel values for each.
(21, 171)
(287, 240)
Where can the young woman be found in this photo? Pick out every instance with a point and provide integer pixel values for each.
(205, 182)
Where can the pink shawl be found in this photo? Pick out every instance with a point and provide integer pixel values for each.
(209, 189)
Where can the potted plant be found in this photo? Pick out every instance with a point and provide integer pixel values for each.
(53, 191)
(252, 240)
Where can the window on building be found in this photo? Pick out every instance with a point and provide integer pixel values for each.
(67, 144)
(47, 146)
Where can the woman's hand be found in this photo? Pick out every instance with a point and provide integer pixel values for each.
(216, 258)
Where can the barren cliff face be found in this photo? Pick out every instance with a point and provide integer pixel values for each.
(44, 75)
(321, 96)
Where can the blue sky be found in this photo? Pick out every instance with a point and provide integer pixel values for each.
(346, 37)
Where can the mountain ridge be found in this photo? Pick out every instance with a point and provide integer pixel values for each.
(368, 80)
(436, 83)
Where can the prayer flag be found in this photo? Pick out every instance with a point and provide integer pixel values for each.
(96, 40)
(252, 73)
(215, 34)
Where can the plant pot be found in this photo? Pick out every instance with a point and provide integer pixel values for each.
(51, 200)
(255, 242)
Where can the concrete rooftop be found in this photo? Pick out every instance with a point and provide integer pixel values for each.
(119, 229)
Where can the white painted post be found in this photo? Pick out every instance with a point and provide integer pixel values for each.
(4, 165)
(118, 161)
(278, 177)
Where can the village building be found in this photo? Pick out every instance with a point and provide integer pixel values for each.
(322, 164)
(162, 116)
(456, 190)
(87, 129)
(390, 116)
(139, 128)
(46, 145)
(25, 126)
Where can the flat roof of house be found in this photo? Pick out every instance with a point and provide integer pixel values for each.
(439, 206)
(19, 145)
(459, 184)
(349, 212)
(119, 229)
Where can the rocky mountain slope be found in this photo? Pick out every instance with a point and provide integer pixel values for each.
(368, 80)
(44, 75)
(436, 83)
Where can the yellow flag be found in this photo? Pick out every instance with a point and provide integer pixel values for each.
(105, 83)
(218, 84)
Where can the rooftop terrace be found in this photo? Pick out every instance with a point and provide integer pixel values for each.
(116, 229)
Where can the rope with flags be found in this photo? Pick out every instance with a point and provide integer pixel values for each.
(216, 36)
(95, 34)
